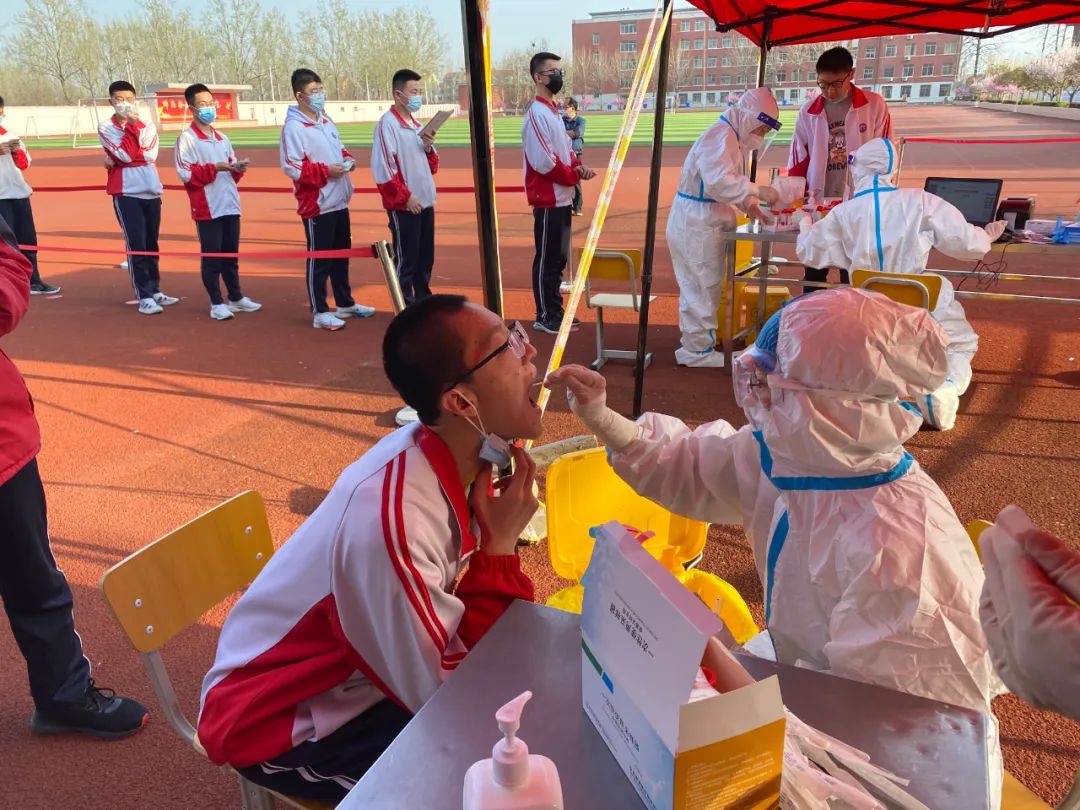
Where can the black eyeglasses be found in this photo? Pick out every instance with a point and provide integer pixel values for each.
(516, 342)
(553, 72)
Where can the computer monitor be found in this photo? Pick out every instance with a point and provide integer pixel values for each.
(977, 199)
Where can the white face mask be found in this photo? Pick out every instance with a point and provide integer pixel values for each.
(752, 142)
(123, 107)
(495, 449)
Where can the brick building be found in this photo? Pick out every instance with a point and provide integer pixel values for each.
(708, 67)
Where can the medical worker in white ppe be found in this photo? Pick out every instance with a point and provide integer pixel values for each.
(712, 185)
(892, 230)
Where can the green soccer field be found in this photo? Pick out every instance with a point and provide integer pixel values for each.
(680, 128)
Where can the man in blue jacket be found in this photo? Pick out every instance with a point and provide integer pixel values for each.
(575, 129)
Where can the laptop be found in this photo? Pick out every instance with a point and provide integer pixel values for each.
(977, 199)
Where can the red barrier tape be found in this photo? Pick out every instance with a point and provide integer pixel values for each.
(283, 190)
(348, 253)
(992, 141)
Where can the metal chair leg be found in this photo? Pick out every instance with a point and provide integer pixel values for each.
(601, 357)
(253, 797)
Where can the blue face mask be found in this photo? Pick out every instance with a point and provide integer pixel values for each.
(415, 103)
(206, 114)
(317, 101)
(494, 449)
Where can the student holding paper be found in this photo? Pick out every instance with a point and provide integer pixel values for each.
(404, 162)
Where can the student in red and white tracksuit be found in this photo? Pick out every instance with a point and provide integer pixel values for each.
(15, 201)
(131, 147)
(360, 616)
(404, 165)
(552, 170)
(314, 158)
(209, 170)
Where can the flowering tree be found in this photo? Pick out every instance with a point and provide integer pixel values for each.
(1057, 73)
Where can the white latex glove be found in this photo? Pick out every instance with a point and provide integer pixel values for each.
(767, 194)
(1031, 625)
(995, 229)
(754, 210)
(586, 393)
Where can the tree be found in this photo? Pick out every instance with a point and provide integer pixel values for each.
(50, 33)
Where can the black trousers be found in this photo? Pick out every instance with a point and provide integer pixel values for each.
(20, 218)
(331, 231)
(140, 220)
(327, 769)
(551, 234)
(220, 235)
(821, 274)
(414, 251)
(36, 595)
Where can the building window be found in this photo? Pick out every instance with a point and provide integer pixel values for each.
(699, 25)
(946, 69)
(727, 42)
(795, 75)
(628, 64)
(943, 90)
(930, 49)
(711, 80)
(596, 58)
(795, 93)
(725, 61)
(712, 61)
(630, 46)
(909, 71)
(626, 81)
(886, 91)
(710, 98)
(909, 50)
(595, 39)
(684, 61)
(927, 70)
(811, 75)
(781, 76)
(890, 50)
(684, 44)
(888, 71)
(924, 90)
(725, 80)
(871, 52)
(779, 95)
(905, 91)
(699, 62)
(697, 83)
(868, 73)
(712, 43)
(684, 25)
(699, 44)
(628, 28)
(741, 79)
(950, 48)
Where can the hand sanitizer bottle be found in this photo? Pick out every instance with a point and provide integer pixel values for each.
(513, 779)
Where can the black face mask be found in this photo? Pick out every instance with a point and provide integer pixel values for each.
(554, 85)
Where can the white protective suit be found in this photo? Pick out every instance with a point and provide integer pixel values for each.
(892, 230)
(712, 183)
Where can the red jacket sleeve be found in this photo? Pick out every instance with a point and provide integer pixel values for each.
(433, 161)
(395, 194)
(21, 159)
(488, 587)
(15, 273)
(562, 174)
(130, 143)
(313, 175)
(202, 174)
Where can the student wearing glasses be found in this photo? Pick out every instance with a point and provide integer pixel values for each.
(830, 126)
(357, 620)
(552, 171)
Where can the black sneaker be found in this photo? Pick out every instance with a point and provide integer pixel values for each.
(551, 328)
(100, 713)
(44, 289)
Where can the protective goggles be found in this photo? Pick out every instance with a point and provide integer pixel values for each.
(750, 380)
(773, 130)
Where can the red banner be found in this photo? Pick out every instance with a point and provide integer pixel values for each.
(172, 107)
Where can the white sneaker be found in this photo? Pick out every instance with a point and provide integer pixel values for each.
(245, 304)
(165, 300)
(355, 311)
(148, 306)
(220, 312)
(566, 287)
(324, 320)
(691, 359)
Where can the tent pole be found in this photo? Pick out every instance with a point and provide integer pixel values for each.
(473, 25)
(763, 60)
(659, 110)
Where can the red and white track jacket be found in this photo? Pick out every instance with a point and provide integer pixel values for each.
(359, 605)
(308, 148)
(13, 185)
(550, 163)
(399, 163)
(867, 119)
(212, 193)
(134, 151)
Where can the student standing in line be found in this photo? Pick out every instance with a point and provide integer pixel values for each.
(404, 163)
(551, 172)
(131, 149)
(313, 157)
(15, 200)
(209, 170)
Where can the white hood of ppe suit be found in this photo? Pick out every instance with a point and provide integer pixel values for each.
(867, 570)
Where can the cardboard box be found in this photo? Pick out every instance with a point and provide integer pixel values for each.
(643, 637)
